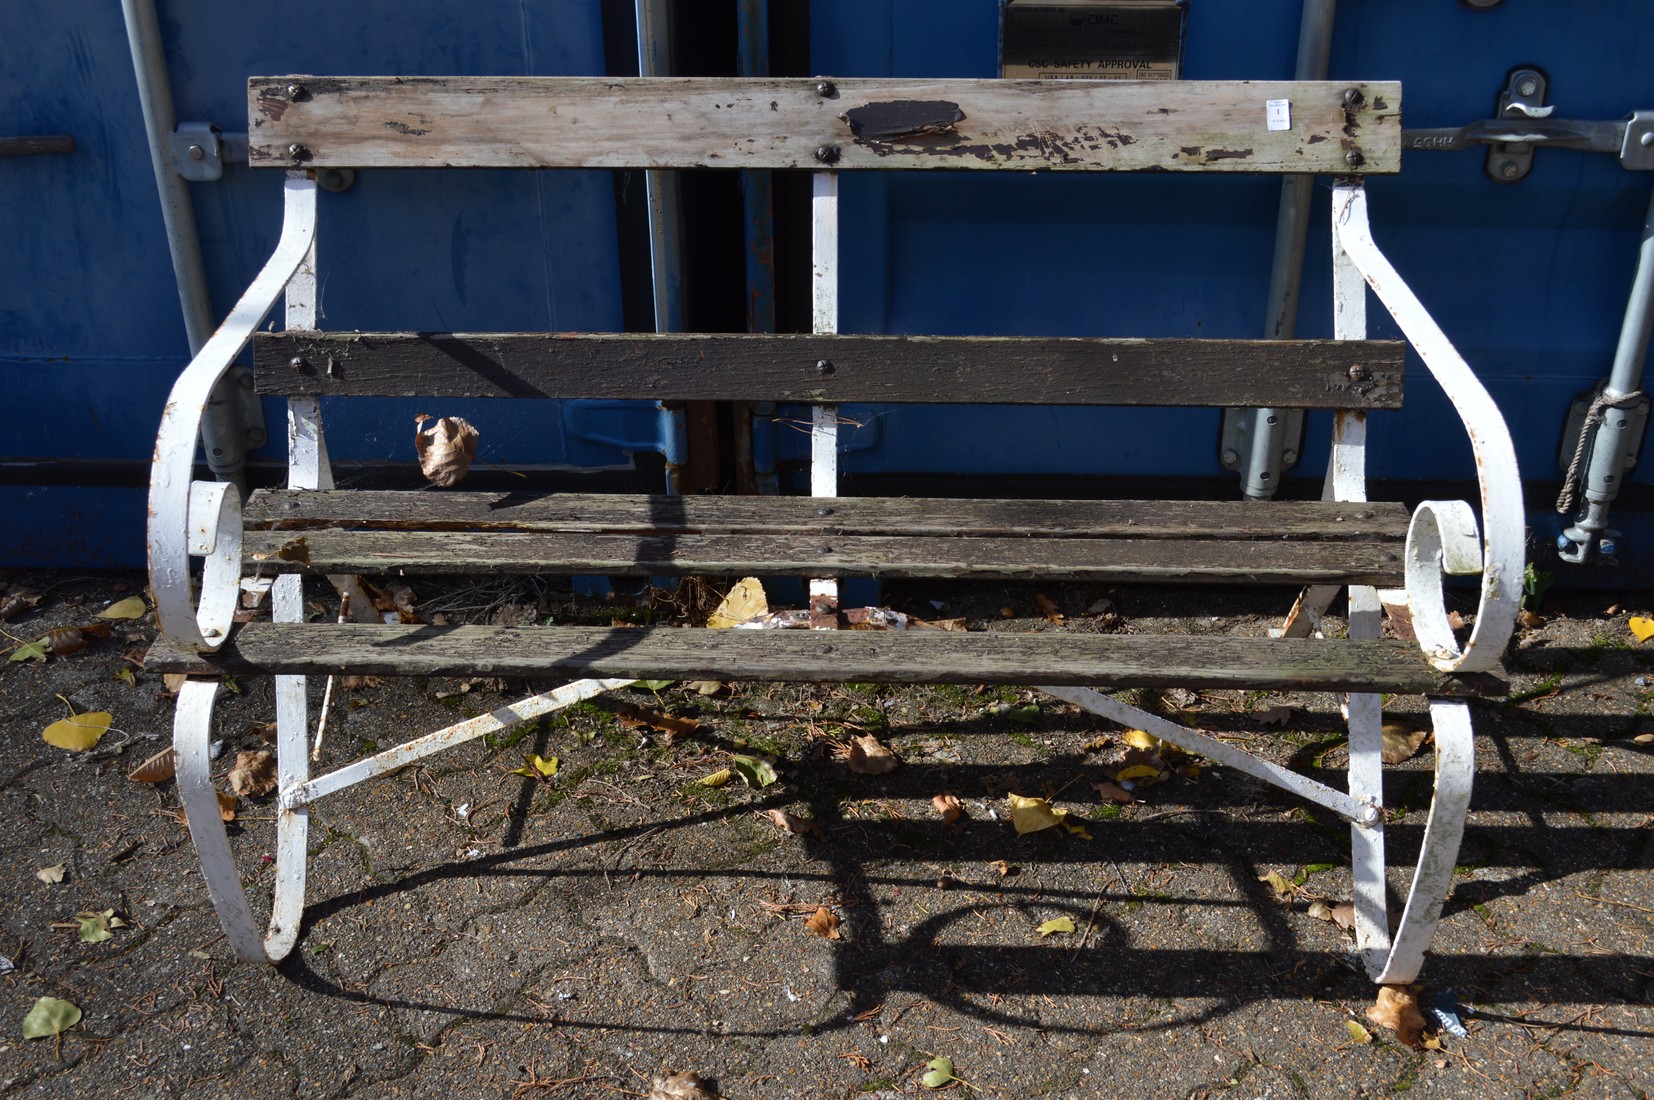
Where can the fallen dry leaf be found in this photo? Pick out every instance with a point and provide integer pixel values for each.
(227, 804)
(1030, 815)
(1276, 716)
(948, 806)
(707, 687)
(51, 874)
(743, 603)
(1142, 739)
(668, 724)
(1398, 1010)
(1279, 883)
(1113, 793)
(679, 1086)
(446, 449)
(356, 683)
(1003, 867)
(793, 823)
(1357, 1032)
(79, 733)
(1642, 627)
(1455, 621)
(822, 923)
(174, 681)
(866, 756)
(1343, 915)
(65, 640)
(717, 778)
(1048, 609)
(1059, 924)
(1530, 619)
(14, 604)
(133, 607)
(254, 773)
(157, 769)
(954, 626)
(1400, 742)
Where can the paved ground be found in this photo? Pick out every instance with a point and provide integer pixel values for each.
(471, 933)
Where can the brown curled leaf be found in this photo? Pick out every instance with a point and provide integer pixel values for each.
(446, 449)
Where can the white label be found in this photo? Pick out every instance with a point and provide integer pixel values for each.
(1279, 114)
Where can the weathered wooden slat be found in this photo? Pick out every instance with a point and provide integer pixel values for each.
(1155, 560)
(827, 369)
(619, 513)
(811, 656)
(601, 122)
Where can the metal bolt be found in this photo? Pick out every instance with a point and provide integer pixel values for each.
(1289, 457)
(1272, 419)
(825, 366)
(1352, 97)
(297, 363)
(823, 608)
(1230, 457)
(1647, 139)
(826, 89)
(1353, 158)
(294, 91)
(1510, 170)
(196, 152)
(1264, 476)
(1527, 86)
(826, 549)
(1358, 373)
(827, 154)
(297, 151)
(824, 511)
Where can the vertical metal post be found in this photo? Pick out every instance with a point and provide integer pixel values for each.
(224, 430)
(824, 418)
(754, 450)
(1261, 443)
(654, 58)
(1614, 405)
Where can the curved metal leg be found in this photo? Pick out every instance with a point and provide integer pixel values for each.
(1455, 771)
(191, 738)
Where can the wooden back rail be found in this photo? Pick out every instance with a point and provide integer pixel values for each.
(598, 122)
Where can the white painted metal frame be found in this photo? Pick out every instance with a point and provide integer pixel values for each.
(824, 319)
(203, 519)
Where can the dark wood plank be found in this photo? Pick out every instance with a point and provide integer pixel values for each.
(1153, 560)
(619, 513)
(818, 657)
(1317, 374)
(1338, 127)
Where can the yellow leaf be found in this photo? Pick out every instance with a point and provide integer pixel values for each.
(744, 603)
(536, 767)
(1138, 771)
(717, 778)
(133, 607)
(79, 733)
(1642, 628)
(1357, 1032)
(1060, 924)
(1142, 739)
(1030, 815)
(1278, 883)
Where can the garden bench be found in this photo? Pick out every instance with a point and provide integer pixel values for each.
(203, 538)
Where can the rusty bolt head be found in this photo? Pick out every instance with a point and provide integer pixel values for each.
(826, 89)
(298, 152)
(1354, 159)
(1352, 97)
(827, 154)
(297, 363)
(1358, 373)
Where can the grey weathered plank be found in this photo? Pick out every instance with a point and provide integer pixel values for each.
(1154, 560)
(817, 657)
(837, 369)
(621, 513)
(603, 122)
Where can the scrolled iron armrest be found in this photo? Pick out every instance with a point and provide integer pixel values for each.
(1443, 538)
(189, 517)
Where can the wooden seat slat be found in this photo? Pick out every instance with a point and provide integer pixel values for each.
(1193, 560)
(1338, 127)
(803, 368)
(1206, 662)
(620, 513)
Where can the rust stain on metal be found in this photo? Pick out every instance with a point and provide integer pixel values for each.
(903, 119)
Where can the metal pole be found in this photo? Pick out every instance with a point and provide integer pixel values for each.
(1616, 405)
(1266, 454)
(222, 429)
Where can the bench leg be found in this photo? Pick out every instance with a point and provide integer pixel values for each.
(191, 738)
(1433, 877)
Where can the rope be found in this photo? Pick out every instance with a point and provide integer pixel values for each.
(1569, 497)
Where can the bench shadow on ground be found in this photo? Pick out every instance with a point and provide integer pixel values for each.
(1235, 828)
